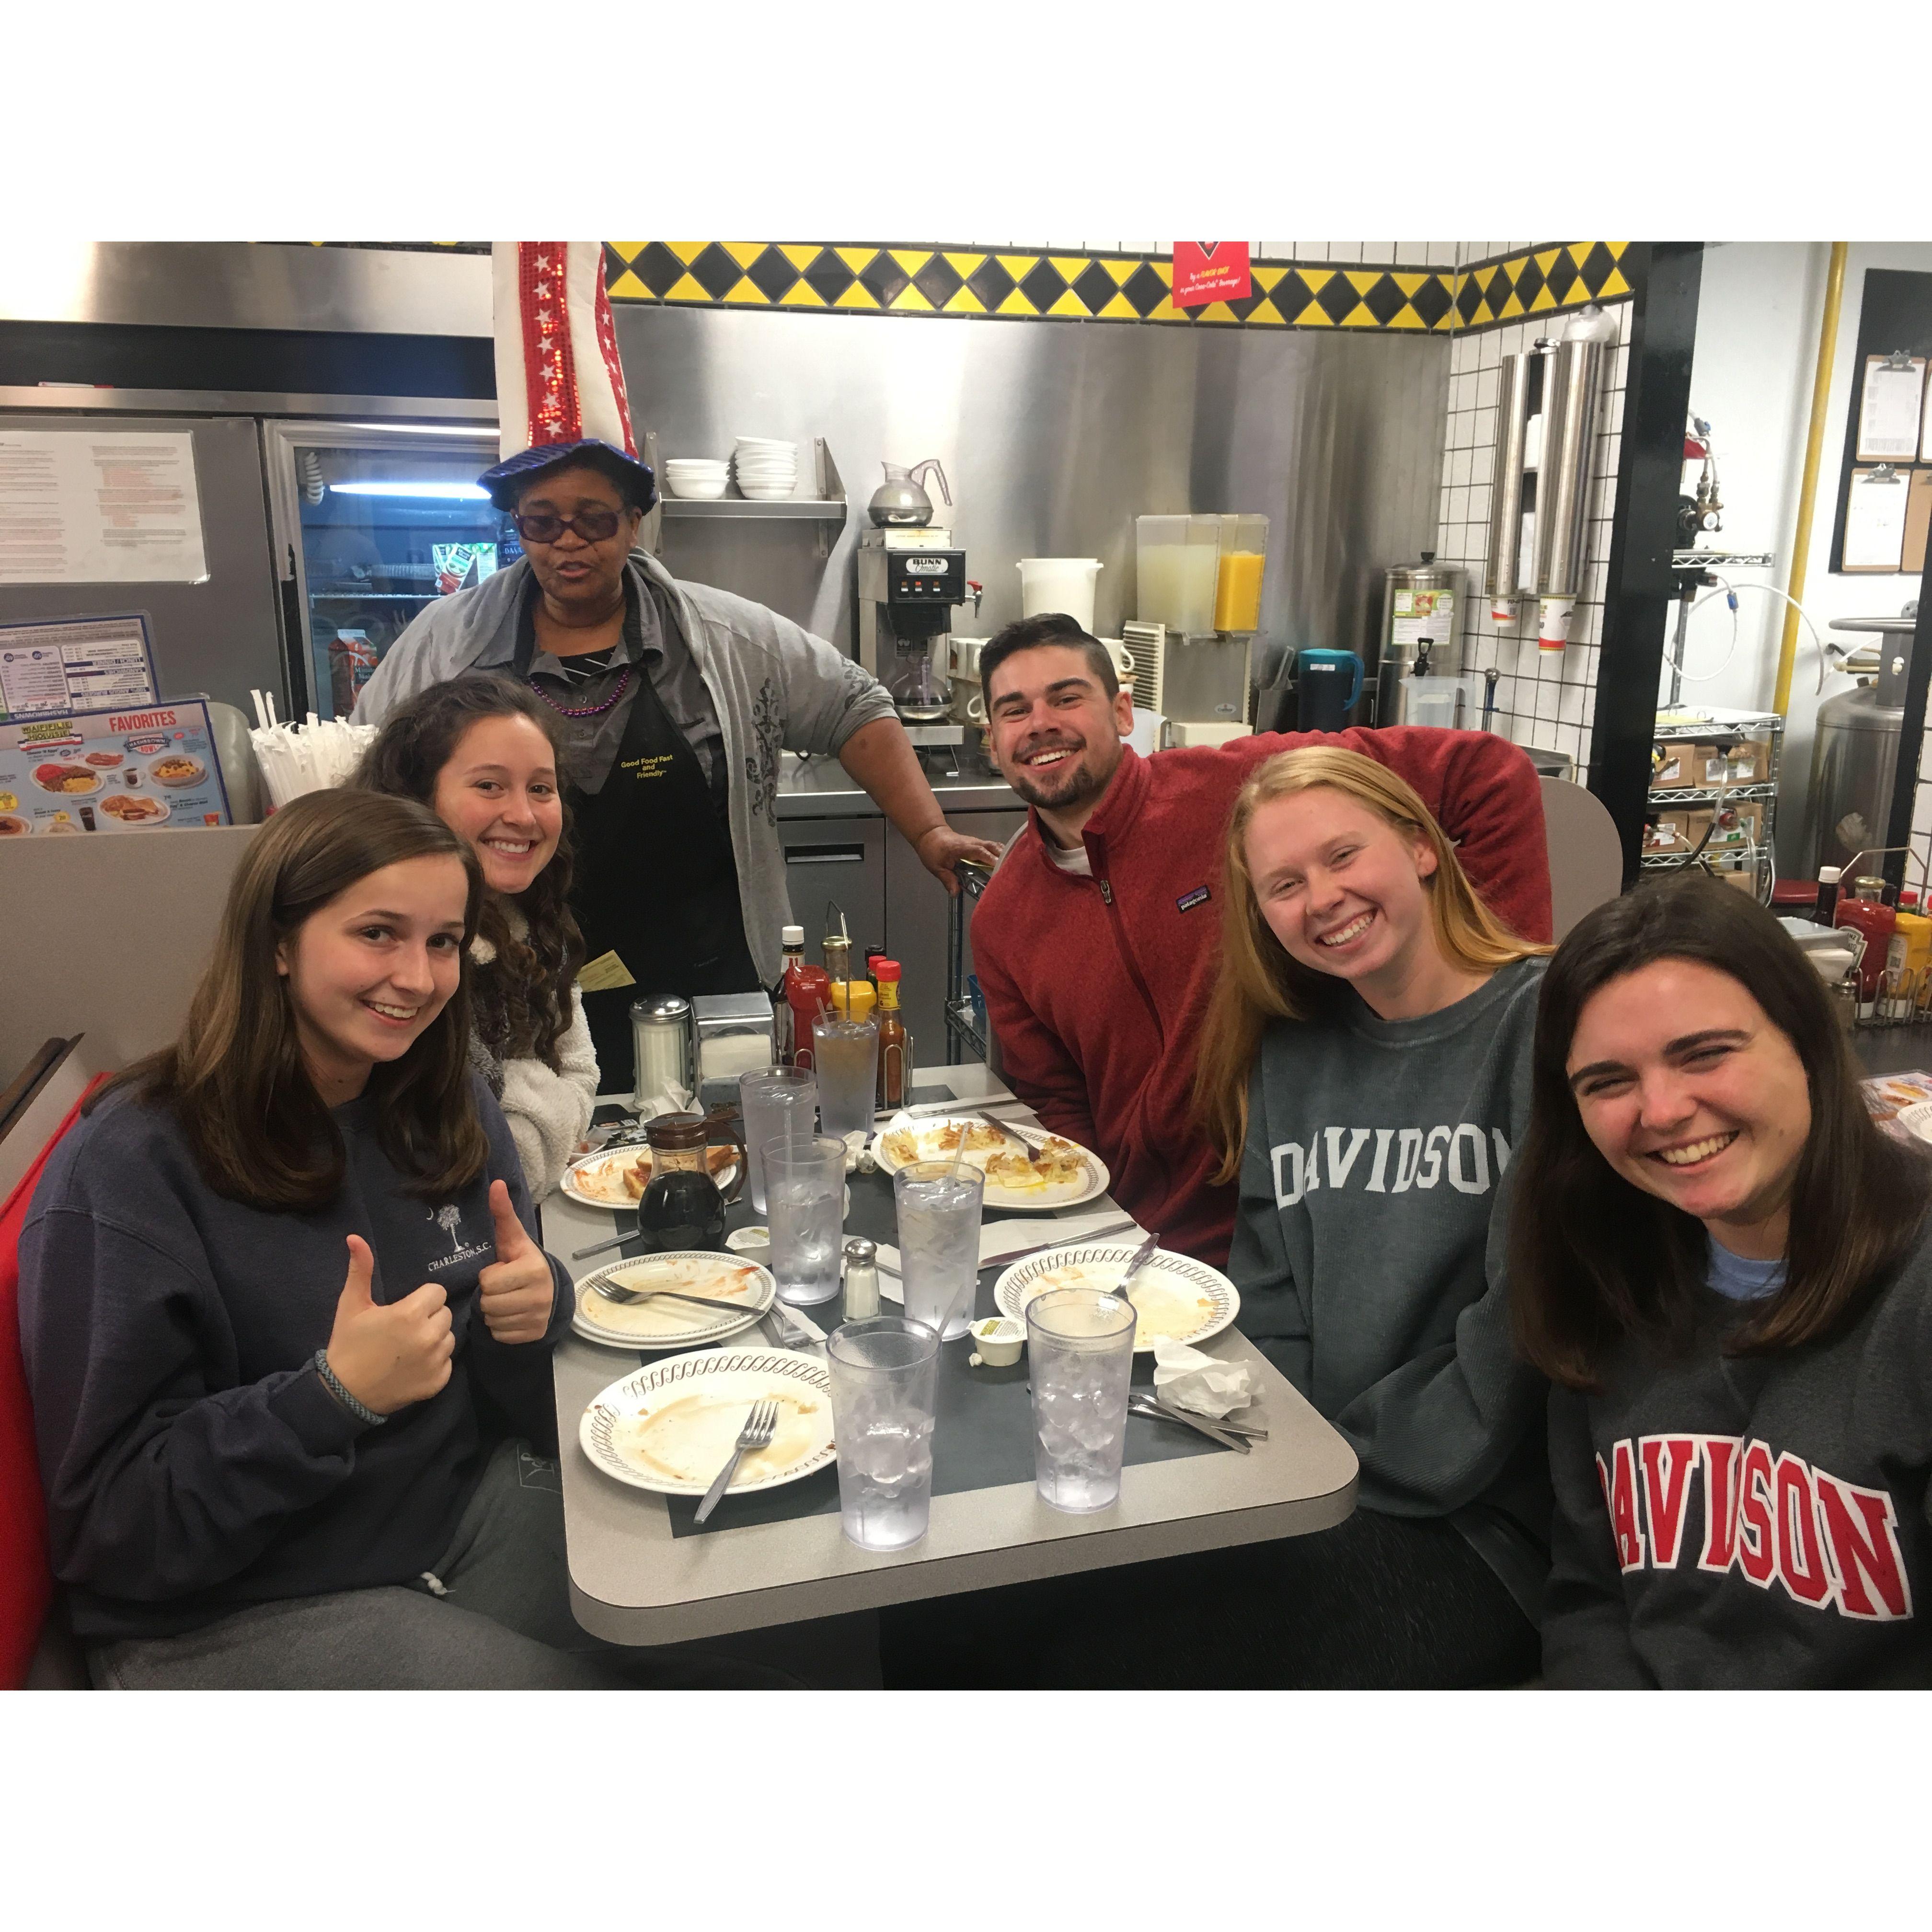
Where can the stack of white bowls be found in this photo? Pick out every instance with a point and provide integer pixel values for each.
(767, 471)
(702, 477)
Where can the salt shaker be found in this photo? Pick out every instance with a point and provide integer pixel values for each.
(862, 1280)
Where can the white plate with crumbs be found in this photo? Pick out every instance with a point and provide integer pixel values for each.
(670, 1427)
(1916, 1120)
(1175, 1298)
(663, 1321)
(618, 1179)
(1068, 1175)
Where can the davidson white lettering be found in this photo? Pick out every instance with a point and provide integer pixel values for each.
(1423, 1156)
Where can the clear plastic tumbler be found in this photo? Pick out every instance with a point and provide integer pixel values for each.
(1080, 1354)
(884, 1376)
(845, 1055)
(805, 1189)
(778, 1103)
(938, 1209)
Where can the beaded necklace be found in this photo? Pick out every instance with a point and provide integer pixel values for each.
(584, 710)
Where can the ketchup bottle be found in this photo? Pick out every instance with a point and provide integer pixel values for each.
(1864, 911)
(806, 991)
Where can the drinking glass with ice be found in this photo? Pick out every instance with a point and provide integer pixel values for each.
(777, 1102)
(1080, 1349)
(804, 1190)
(938, 1205)
(884, 1378)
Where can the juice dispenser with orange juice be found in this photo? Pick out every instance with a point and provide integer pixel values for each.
(1237, 583)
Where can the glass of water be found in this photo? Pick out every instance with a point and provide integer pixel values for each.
(884, 1377)
(804, 1192)
(845, 1055)
(938, 1208)
(1080, 1352)
(778, 1103)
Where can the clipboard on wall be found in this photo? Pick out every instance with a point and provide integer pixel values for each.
(1918, 522)
(1891, 422)
(1876, 502)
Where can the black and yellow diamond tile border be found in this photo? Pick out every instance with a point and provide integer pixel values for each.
(873, 278)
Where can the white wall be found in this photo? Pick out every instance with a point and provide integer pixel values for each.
(1758, 315)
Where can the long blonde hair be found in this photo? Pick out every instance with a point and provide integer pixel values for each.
(1260, 981)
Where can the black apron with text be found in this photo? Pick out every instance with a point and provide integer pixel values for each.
(656, 883)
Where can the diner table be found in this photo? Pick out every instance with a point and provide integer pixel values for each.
(642, 1572)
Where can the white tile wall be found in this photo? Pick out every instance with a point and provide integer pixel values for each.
(1542, 699)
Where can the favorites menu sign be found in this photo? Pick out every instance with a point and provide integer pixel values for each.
(126, 770)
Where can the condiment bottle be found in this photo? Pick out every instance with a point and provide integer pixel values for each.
(1865, 911)
(792, 939)
(1826, 910)
(895, 1042)
(807, 991)
(862, 1280)
(837, 971)
(682, 1207)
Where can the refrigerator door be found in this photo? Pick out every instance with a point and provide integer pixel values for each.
(221, 636)
(374, 523)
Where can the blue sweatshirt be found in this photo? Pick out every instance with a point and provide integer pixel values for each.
(194, 1460)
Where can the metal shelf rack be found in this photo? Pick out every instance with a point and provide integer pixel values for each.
(963, 1033)
(1735, 729)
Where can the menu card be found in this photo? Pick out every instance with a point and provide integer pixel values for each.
(75, 664)
(111, 771)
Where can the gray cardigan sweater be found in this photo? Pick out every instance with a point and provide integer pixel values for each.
(776, 687)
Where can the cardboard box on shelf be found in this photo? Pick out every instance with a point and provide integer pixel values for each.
(1664, 832)
(1739, 825)
(1676, 765)
(1749, 763)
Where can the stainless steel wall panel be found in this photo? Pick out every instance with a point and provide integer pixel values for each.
(1055, 437)
(248, 285)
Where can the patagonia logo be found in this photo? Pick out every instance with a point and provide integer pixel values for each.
(1188, 901)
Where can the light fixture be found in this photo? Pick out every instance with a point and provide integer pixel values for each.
(467, 493)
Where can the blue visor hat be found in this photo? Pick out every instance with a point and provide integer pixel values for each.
(509, 480)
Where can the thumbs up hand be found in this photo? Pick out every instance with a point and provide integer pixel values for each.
(388, 1355)
(516, 1289)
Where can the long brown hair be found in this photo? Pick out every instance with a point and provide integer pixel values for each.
(1593, 1258)
(236, 1077)
(522, 997)
(1259, 981)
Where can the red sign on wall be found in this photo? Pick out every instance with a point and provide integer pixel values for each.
(1209, 271)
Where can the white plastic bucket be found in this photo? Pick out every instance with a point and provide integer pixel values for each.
(1059, 583)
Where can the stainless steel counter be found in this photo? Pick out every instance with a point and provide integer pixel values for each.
(822, 788)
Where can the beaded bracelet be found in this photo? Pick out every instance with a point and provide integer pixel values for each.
(361, 1411)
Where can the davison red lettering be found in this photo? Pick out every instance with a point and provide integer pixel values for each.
(1800, 1557)
(1721, 1500)
(1867, 1571)
(1620, 1498)
(1667, 1463)
(1757, 1542)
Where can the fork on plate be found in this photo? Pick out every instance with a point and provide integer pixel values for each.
(760, 1427)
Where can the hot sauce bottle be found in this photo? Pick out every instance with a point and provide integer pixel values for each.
(895, 1042)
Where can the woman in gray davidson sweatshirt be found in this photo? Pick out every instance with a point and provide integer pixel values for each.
(1724, 1266)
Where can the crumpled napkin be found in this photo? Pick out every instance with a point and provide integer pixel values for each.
(1185, 1378)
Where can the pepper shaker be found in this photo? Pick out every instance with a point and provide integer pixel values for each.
(862, 1280)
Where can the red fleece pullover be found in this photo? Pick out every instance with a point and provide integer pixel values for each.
(1097, 988)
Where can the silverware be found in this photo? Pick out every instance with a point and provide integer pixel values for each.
(760, 1427)
(1141, 1256)
(624, 1297)
(601, 1247)
(1207, 1429)
(791, 1330)
(1141, 1403)
(1026, 1146)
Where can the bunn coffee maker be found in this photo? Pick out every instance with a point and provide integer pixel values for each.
(911, 580)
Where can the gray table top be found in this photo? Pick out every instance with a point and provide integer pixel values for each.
(640, 1573)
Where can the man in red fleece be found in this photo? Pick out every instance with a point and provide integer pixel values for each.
(1097, 942)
